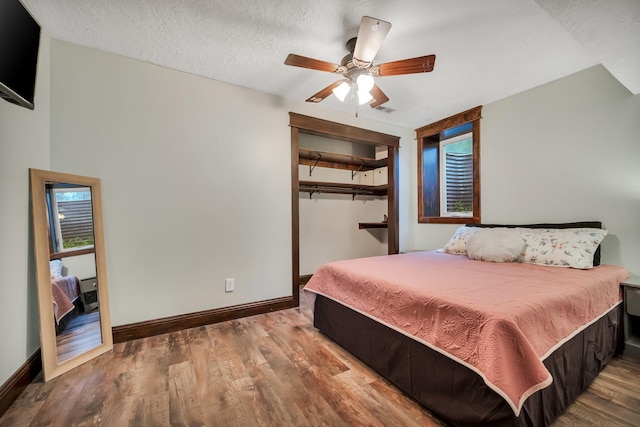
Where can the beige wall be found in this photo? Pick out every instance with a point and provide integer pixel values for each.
(24, 144)
(195, 179)
(565, 151)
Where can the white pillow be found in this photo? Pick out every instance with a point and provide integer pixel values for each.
(458, 242)
(570, 247)
(495, 245)
(56, 268)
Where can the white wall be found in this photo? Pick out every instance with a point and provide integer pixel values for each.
(329, 229)
(24, 144)
(565, 151)
(82, 266)
(195, 179)
(329, 222)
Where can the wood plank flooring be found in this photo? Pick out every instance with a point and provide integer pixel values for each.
(273, 369)
(81, 334)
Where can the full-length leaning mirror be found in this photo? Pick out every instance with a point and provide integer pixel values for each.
(75, 324)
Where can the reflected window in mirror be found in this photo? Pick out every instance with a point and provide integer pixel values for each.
(70, 215)
(71, 218)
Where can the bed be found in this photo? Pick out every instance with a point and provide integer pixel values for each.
(478, 342)
(65, 290)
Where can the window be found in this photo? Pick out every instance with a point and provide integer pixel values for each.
(456, 183)
(71, 219)
(449, 169)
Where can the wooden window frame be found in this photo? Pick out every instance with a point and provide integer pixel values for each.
(429, 131)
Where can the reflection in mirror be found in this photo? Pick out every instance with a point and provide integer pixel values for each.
(70, 267)
(73, 272)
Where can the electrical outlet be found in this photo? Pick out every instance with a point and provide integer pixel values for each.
(229, 285)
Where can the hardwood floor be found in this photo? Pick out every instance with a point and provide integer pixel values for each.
(273, 369)
(81, 334)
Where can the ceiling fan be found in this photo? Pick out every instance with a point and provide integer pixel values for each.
(357, 67)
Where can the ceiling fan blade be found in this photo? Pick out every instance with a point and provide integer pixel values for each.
(421, 64)
(379, 97)
(312, 64)
(371, 34)
(324, 92)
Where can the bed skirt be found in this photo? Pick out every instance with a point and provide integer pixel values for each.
(454, 392)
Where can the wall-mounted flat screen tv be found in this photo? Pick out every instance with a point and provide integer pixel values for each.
(19, 42)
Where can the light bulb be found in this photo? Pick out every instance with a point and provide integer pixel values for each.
(364, 97)
(341, 90)
(364, 82)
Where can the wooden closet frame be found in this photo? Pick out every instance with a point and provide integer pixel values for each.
(313, 126)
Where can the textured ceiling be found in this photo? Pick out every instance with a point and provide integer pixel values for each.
(608, 29)
(486, 50)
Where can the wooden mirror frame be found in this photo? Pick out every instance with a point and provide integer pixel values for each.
(39, 179)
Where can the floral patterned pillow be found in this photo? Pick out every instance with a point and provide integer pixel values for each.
(571, 247)
(458, 242)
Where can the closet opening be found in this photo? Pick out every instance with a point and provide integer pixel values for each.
(343, 194)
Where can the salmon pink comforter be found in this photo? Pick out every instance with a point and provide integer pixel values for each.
(500, 320)
(62, 305)
(64, 290)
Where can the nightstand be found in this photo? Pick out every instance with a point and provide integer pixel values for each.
(89, 293)
(631, 297)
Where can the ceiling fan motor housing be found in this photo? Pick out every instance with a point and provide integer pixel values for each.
(352, 69)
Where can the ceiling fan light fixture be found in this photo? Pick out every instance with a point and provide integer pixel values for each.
(364, 97)
(342, 90)
(364, 82)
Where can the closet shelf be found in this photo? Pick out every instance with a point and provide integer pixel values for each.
(340, 161)
(342, 188)
(363, 225)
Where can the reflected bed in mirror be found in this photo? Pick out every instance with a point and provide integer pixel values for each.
(71, 270)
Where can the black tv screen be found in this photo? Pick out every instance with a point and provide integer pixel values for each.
(19, 42)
